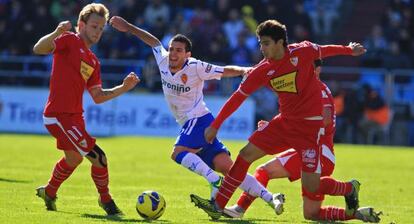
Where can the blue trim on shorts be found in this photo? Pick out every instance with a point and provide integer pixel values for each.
(180, 156)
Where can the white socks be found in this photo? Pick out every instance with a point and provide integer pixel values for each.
(255, 189)
(194, 163)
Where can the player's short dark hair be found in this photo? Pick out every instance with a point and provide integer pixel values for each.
(183, 39)
(273, 29)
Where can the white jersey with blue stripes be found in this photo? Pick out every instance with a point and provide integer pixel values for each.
(184, 89)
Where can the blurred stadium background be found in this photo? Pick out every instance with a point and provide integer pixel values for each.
(374, 94)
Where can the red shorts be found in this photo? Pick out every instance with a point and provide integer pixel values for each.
(291, 162)
(69, 131)
(302, 135)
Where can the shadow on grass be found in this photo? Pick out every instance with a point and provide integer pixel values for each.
(254, 220)
(14, 181)
(121, 219)
(324, 222)
(243, 221)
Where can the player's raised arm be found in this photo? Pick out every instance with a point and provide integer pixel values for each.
(122, 25)
(233, 70)
(353, 49)
(45, 45)
(100, 95)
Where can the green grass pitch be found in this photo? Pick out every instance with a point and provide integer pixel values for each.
(143, 163)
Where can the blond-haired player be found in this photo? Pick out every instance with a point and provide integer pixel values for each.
(76, 68)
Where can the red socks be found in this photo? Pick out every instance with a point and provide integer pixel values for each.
(333, 213)
(246, 199)
(101, 178)
(60, 173)
(231, 181)
(330, 186)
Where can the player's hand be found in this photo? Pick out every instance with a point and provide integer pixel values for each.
(209, 134)
(357, 49)
(130, 81)
(64, 26)
(119, 23)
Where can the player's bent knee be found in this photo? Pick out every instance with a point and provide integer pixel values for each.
(98, 156)
(178, 155)
(175, 152)
(222, 163)
(311, 188)
(73, 159)
(310, 215)
(251, 153)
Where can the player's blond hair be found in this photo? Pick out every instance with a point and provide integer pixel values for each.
(90, 9)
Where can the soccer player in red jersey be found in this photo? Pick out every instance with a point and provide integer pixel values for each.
(289, 71)
(76, 68)
(288, 165)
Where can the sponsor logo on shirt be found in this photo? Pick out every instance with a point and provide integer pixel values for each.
(176, 87)
(86, 70)
(184, 78)
(285, 83)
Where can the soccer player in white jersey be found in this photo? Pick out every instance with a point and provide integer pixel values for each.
(182, 81)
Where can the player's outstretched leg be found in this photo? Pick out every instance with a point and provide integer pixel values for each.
(60, 173)
(196, 165)
(207, 206)
(367, 214)
(49, 202)
(352, 199)
(100, 176)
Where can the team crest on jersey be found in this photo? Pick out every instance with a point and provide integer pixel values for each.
(184, 78)
(294, 61)
(271, 72)
(86, 70)
(285, 83)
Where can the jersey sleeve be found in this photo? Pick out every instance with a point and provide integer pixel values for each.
(95, 79)
(231, 105)
(316, 51)
(63, 42)
(160, 53)
(256, 78)
(208, 71)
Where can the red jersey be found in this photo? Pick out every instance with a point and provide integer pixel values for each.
(292, 78)
(328, 101)
(74, 68)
